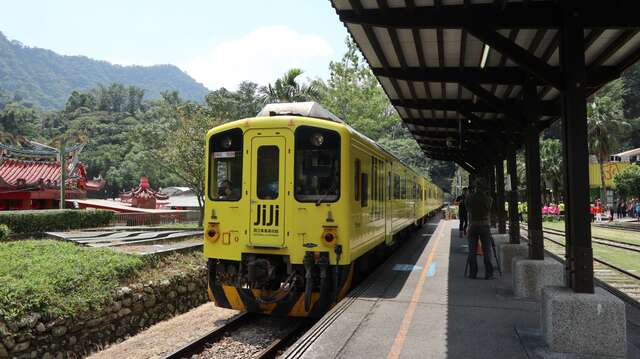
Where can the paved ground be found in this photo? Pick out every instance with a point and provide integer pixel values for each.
(167, 336)
(420, 305)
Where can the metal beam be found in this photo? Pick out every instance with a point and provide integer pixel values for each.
(487, 125)
(516, 53)
(617, 14)
(547, 107)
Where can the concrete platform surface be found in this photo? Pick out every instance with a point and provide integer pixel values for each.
(418, 304)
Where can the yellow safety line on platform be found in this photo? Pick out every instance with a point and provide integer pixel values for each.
(398, 343)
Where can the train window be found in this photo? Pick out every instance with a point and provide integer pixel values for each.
(225, 166)
(396, 187)
(372, 210)
(356, 184)
(267, 172)
(388, 185)
(317, 165)
(364, 199)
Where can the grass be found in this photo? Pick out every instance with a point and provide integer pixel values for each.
(622, 258)
(606, 233)
(168, 266)
(59, 278)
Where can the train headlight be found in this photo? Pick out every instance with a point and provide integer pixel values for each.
(317, 139)
(213, 232)
(226, 143)
(330, 235)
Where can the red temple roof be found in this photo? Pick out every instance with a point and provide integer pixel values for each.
(26, 174)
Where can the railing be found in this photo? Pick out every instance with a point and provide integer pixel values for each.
(155, 219)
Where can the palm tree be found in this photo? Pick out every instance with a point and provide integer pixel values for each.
(288, 89)
(605, 119)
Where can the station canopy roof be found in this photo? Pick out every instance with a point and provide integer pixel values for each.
(455, 69)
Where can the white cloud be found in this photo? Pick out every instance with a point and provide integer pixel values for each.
(260, 56)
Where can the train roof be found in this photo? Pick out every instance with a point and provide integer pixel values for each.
(313, 109)
(304, 109)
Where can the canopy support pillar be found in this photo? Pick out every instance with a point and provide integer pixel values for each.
(579, 252)
(514, 220)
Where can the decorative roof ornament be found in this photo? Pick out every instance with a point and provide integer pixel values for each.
(143, 196)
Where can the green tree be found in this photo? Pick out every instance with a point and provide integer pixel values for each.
(19, 119)
(627, 181)
(352, 93)
(605, 121)
(183, 153)
(551, 165)
(234, 105)
(289, 89)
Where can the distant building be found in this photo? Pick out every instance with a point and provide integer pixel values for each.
(143, 196)
(630, 156)
(616, 164)
(30, 177)
(180, 198)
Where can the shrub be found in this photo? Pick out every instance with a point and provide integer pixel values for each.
(4, 232)
(59, 278)
(54, 220)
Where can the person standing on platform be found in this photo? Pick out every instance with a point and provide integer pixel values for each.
(462, 212)
(478, 205)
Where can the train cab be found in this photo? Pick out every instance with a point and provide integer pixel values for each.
(285, 221)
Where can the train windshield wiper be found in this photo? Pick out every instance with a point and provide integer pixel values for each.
(325, 194)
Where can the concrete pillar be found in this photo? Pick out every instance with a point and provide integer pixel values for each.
(531, 275)
(502, 225)
(507, 252)
(583, 323)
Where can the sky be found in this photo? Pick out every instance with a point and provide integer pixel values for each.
(218, 43)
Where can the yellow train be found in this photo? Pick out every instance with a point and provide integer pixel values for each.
(298, 204)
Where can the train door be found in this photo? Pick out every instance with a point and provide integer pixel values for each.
(267, 189)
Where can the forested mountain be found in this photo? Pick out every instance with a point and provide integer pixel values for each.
(47, 79)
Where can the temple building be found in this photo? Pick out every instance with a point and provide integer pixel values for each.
(30, 176)
(143, 196)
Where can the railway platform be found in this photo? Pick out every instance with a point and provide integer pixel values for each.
(419, 304)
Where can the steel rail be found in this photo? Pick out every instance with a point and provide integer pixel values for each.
(619, 228)
(605, 242)
(610, 288)
(600, 240)
(271, 351)
(198, 345)
(621, 270)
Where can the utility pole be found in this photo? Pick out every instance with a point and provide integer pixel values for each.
(63, 175)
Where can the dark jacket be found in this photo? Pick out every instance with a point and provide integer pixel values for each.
(479, 208)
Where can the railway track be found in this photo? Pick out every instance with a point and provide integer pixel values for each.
(620, 281)
(599, 240)
(247, 335)
(630, 228)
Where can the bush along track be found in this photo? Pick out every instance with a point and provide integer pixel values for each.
(54, 220)
(64, 300)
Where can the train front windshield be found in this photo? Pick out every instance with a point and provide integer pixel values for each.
(317, 165)
(225, 161)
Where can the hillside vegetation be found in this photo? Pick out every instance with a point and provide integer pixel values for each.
(47, 78)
